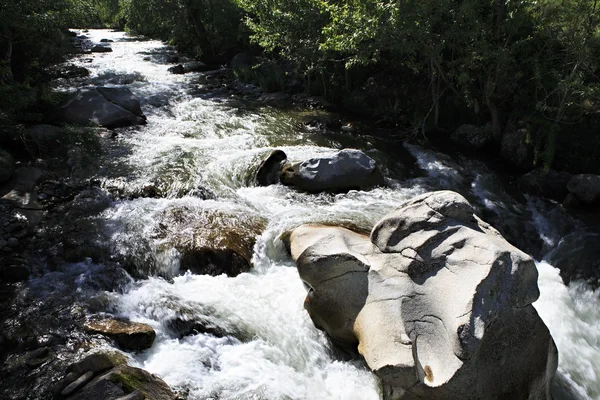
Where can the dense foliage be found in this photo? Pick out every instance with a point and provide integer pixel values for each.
(421, 64)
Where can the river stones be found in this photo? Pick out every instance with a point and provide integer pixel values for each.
(133, 336)
(343, 171)
(270, 168)
(210, 241)
(108, 107)
(439, 303)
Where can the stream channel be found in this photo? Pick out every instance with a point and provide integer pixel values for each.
(198, 141)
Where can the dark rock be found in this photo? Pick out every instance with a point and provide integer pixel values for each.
(242, 61)
(77, 384)
(90, 107)
(197, 66)
(125, 382)
(14, 273)
(101, 49)
(577, 256)
(472, 137)
(172, 59)
(98, 362)
(276, 99)
(516, 150)
(13, 242)
(7, 166)
(586, 187)
(128, 335)
(346, 170)
(550, 184)
(269, 170)
(211, 242)
(571, 201)
(38, 357)
(177, 70)
(90, 201)
(106, 41)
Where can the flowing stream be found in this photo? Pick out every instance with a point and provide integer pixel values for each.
(209, 141)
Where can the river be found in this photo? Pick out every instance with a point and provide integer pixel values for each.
(198, 139)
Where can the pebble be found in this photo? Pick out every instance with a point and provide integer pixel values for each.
(13, 242)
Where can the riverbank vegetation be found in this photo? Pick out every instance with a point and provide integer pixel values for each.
(420, 65)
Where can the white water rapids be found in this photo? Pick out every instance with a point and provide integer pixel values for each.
(193, 140)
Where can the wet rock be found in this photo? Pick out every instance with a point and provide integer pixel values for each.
(98, 362)
(7, 166)
(108, 107)
(173, 59)
(438, 302)
(516, 150)
(133, 336)
(211, 242)
(125, 382)
(577, 256)
(177, 70)
(182, 328)
(472, 137)
(270, 168)
(346, 170)
(197, 66)
(586, 188)
(101, 49)
(106, 41)
(550, 184)
(90, 201)
(38, 357)
(77, 384)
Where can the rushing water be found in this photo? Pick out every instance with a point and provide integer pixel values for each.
(197, 140)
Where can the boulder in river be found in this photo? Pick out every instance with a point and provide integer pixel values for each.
(586, 188)
(550, 184)
(439, 303)
(343, 171)
(101, 49)
(7, 166)
(270, 168)
(177, 70)
(133, 336)
(108, 107)
(472, 136)
(211, 242)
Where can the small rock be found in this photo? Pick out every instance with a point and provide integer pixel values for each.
(101, 49)
(177, 70)
(128, 335)
(13, 242)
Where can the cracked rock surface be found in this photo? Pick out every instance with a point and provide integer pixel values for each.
(438, 302)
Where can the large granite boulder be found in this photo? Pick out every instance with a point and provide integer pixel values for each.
(439, 303)
(343, 171)
(586, 188)
(108, 107)
(210, 242)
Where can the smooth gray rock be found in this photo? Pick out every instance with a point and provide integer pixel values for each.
(472, 136)
(437, 300)
(90, 106)
(7, 166)
(346, 170)
(586, 187)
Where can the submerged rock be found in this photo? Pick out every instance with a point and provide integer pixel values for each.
(108, 107)
(128, 335)
(343, 171)
(211, 242)
(437, 301)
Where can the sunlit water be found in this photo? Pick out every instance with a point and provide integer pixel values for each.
(273, 351)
